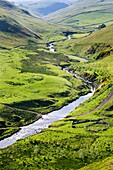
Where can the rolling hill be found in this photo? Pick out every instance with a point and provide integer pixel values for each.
(18, 26)
(11, 28)
(52, 8)
(43, 7)
(85, 14)
(88, 45)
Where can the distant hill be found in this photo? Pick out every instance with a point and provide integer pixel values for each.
(52, 8)
(9, 24)
(44, 7)
(17, 26)
(7, 4)
(42, 1)
(84, 14)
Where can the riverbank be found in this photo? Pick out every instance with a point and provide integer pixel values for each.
(82, 140)
(45, 121)
(25, 130)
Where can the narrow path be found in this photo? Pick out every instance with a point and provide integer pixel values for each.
(14, 108)
(9, 128)
(105, 101)
(44, 122)
(110, 96)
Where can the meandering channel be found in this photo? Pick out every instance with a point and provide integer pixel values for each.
(47, 119)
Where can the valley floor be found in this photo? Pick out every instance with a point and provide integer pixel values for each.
(83, 140)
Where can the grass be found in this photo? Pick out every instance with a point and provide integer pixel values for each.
(30, 74)
(64, 147)
(77, 35)
(104, 164)
(33, 83)
(28, 28)
(57, 37)
(85, 15)
(32, 80)
(83, 140)
(96, 45)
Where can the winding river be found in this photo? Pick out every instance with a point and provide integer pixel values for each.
(49, 118)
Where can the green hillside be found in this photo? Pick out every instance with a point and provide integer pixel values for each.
(37, 6)
(32, 83)
(89, 46)
(84, 139)
(19, 27)
(12, 31)
(85, 14)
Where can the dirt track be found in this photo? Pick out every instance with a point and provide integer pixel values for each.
(97, 108)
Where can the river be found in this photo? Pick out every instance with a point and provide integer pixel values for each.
(47, 119)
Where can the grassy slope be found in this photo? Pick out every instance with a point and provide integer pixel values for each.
(21, 29)
(32, 83)
(104, 164)
(85, 14)
(11, 30)
(74, 143)
(88, 46)
(27, 28)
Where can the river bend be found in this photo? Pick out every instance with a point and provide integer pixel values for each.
(47, 119)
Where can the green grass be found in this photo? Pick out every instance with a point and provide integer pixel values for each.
(77, 35)
(32, 83)
(104, 164)
(83, 140)
(32, 80)
(89, 18)
(57, 37)
(86, 15)
(62, 146)
(20, 28)
(94, 46)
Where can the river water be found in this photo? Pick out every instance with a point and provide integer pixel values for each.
(69, 37)
(46, 120)
(51, 47)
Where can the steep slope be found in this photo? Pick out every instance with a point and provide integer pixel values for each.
(8, 22)
(10, 27)
(99, 42)
(85, 14)
(102, 43)
(19, 25)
